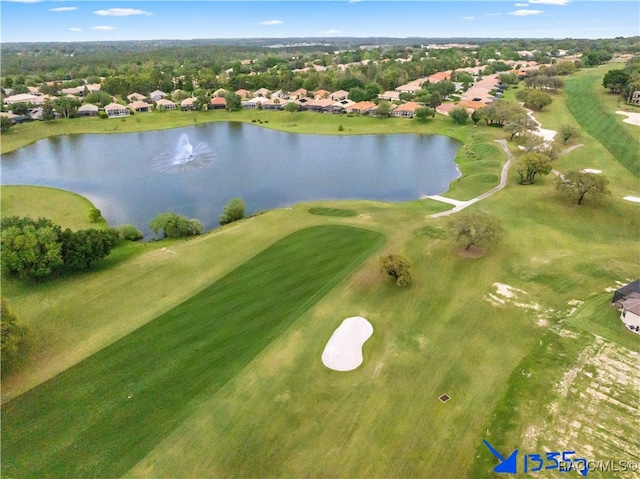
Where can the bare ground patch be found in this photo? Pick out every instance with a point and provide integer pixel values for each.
(594, 410)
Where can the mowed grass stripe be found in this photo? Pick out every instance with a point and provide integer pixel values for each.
(585, 105)
(82, 423)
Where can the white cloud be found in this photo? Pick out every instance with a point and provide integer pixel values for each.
(102, 28)
(523, 13)
(550, 2)
(493, 14)
(75, 29)
(330, 32)
(354, 1)
(521, 5)
(468, 18)
(121, 12)
(271, 22)
(63, 9)
(23, 1)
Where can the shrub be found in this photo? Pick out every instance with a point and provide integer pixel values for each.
(175, 226)
(129, 233)
(233, 211)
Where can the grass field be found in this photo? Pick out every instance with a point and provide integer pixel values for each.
(146, 382)
(520, 339)
(63, 208)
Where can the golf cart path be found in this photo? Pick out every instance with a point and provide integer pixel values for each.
(460, 205)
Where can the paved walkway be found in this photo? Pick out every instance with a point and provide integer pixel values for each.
(460, 205)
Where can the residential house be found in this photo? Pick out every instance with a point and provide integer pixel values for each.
(254, 103)
(20, 98)
(263, 92)
(634, 99)
(115, 110)
(321, 105)
(140, 106)
(279, 94)
(406, 110)
(362, 108)
(136, 97)
(472, 106)
(440, 76)
(302, 102)
(273, 103)
(339, 95)
(164, 104)
(630, 313)
(445, 108)
(627, 300)
(342, 105)
(299, 93)
(319, 94)
(389, 96)
(188, 104)
(242, 93)
(12, 116)
(411, 87)
(157, 95)
(217, 103)
(220, 92)
(88, 110)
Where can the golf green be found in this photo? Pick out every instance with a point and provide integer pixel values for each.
(98, 418)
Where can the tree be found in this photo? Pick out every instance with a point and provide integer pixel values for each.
(94, 214)
(459, 115)
(12, 336)
(384, 108)
(534, 99)
(474, 228)
(578, 185)
(48, 113)
(175, 226)
(81, 249)
(530, 164)
(233, 101)
(423, 113)
(233, 211)
(500, 112)
(20, 108)
(100, 98)
(30, 249)
(398, 267)
(5, 124)
(520, 126)
(67, 106)
(476, 117)
(616, 80)
(568, 131)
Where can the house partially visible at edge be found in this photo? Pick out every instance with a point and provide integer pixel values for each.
(115, 110)
(627, 300)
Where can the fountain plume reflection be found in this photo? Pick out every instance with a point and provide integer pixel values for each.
(184, 156)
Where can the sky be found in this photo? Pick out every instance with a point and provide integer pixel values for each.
(85, 20)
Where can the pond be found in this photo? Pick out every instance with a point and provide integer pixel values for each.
(268, 169)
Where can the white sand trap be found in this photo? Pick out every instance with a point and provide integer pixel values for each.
(343, 351)
(635, 199)
(632, 118)
(590, 170)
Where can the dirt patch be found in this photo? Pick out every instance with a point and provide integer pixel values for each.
(473, 252)
(595, 407)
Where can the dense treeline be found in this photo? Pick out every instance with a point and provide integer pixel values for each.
(165, 65)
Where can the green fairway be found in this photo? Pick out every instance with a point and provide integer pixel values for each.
(584, 92)
(100, 417)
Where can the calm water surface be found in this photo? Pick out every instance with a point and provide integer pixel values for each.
(267, 169)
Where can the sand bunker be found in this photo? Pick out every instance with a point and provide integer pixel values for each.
(591, 170)
(632, 118)
(343, 351)
(635, 199)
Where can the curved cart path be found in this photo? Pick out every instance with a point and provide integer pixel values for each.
(460, 205)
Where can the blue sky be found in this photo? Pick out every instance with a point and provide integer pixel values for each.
(67, 20)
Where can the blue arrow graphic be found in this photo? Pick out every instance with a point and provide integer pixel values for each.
(508, 465)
